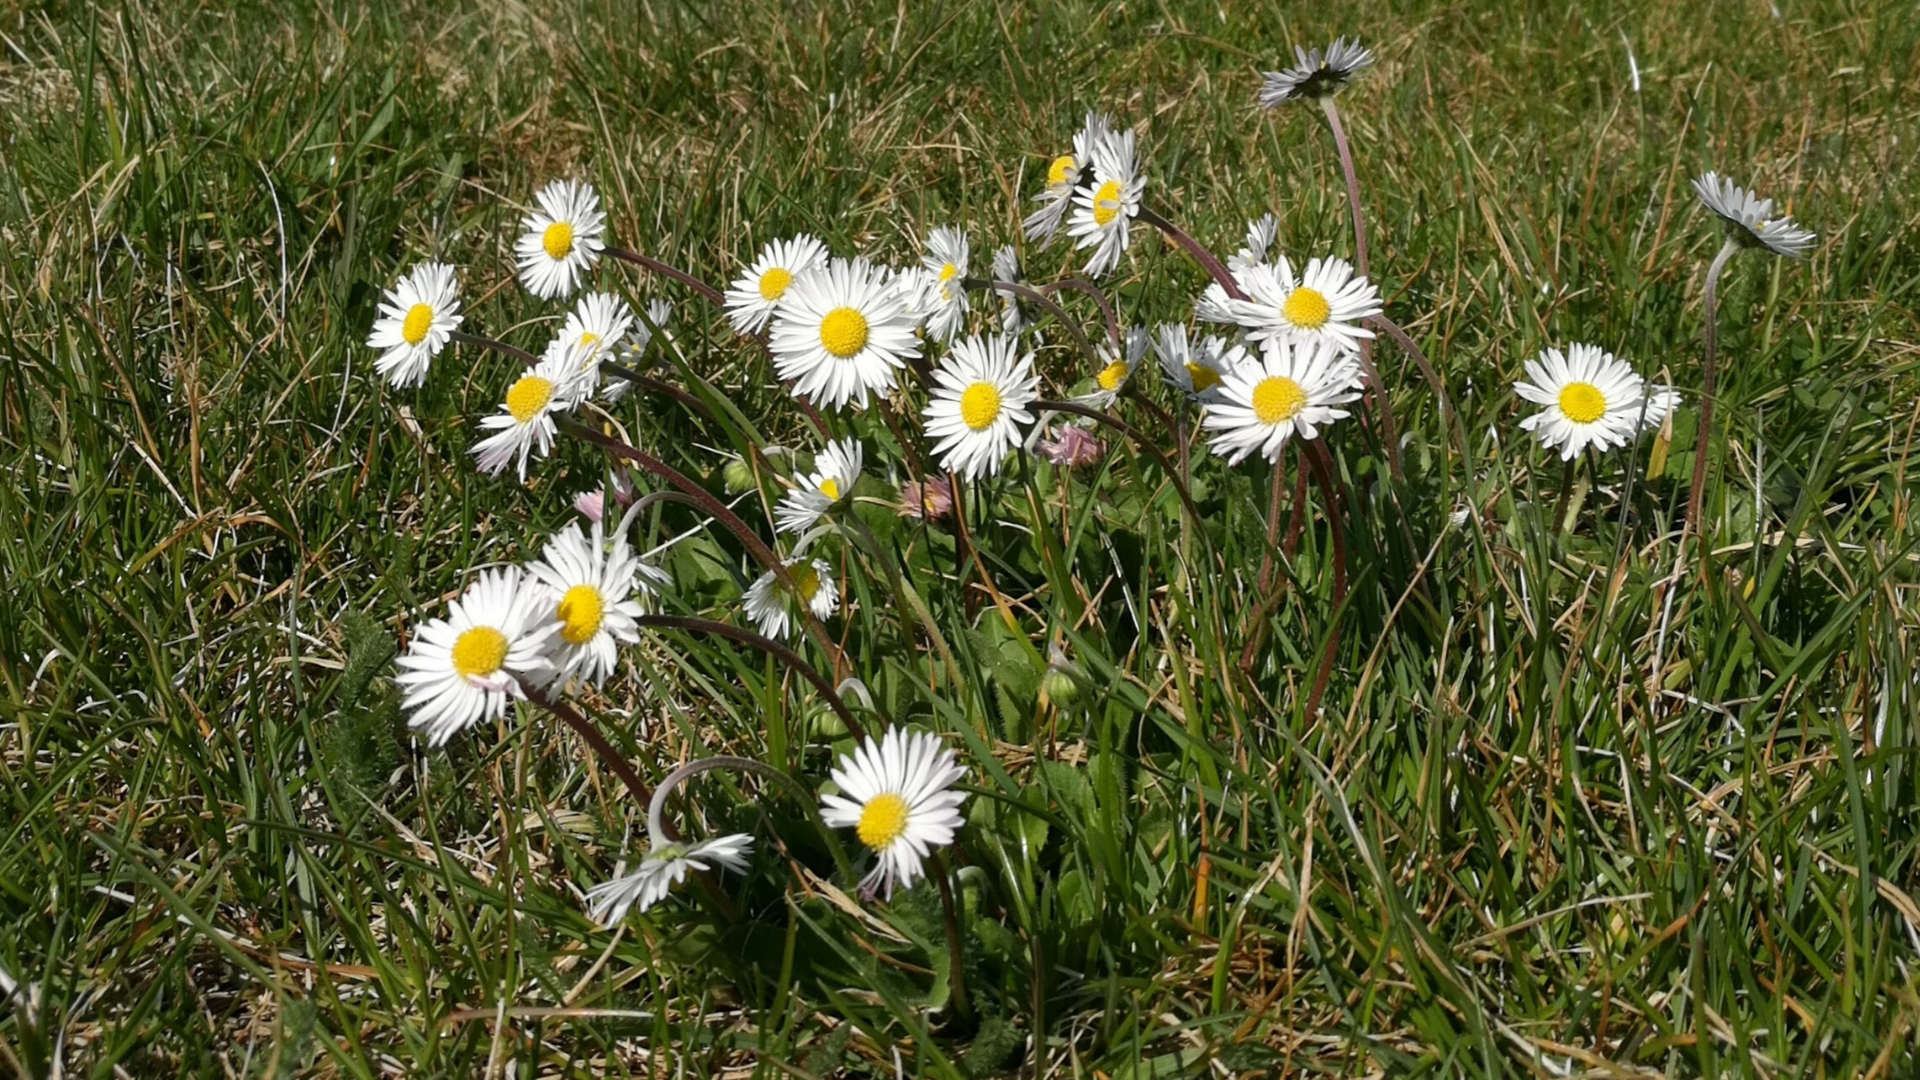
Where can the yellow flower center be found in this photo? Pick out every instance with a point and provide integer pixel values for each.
(589, 341)
(527, 397)
(882, 820)
(948, 272)
(1057, 172)
(1583, 402)
(830, 488)
(1106, 203)
(1306, 308)
(843, 332)
(580, 611)
(1204, 377)
(419, 320)
(1278, 399)
(479, 650)
(1112, 376)
(806, 581)
(980, 405)
(558, 240)
(773, 284)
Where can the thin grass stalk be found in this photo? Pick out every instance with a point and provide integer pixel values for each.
(766, 645)
(1322, 464)
(659, 386)
(956, 978)
(1558, 524)
(712, 294)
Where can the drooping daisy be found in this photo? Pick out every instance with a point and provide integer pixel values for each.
(590, 593)
(525, 421)
(560, 241)
(841, 332)
(1292, 388)
(1315, 75)
(1116, 367)
(979, 400)
(1260, 236)
(755, 295)
(1064, 174)
(1104, 210)
(945, 297)
(1192, 367)
(1750, 219)
(1326, 302)
(897, 796)
(1592, 399)
(1006, 267)
(417, 318)
(663, 868)
(776, 612)
(836, 470)
(460, 670)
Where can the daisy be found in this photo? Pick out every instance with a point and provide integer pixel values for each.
(1064, 174)
(417, 318)
(980, 398)
(663, 868)
(590, 596)
(1751, 217)
(1291, 389)
(1103, 210)
(596, 326)
(1116, 367)
(773, 610)
(1006, 267)
(897, 796)
(755, 295)
(1325, 303)
(930, 499)
(945, 299)
(1260, 236)
(560, 241)
(634, 349)
(460, 670)
(1214, 305)
(525, 422)
(841, 333)
(1591, 398)
(836, 471)
(1072, 446)
(1194, 368)
(1315, 75)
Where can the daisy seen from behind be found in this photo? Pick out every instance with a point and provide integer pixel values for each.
(1591, 398)
(632, 352)
(1315, 74)
(1064, 174)
(560, 239)
(525, 421)
(1261, 232)
(841, 333)
(1750, 219)
(1103, 211)
(755, 295)
(592, 600)
(664, 867)
(945, 299)
(836, 470)
(978, 402)
(776, 611)
(1327, 301)
(1291, 389)
(897, 796)
(1006, 268)
(462, 670)
(417, 318)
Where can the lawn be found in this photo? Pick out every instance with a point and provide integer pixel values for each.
(1417, 755)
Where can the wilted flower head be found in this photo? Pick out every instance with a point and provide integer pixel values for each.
(1750, 218)
(1315, 75)
(931, 498)
(1006, 267)
(1072, 446)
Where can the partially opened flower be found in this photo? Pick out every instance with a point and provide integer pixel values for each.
(755, 295)
(1261, 232)
(776, 611)
(1071, 446)
(1750, 219)
(594, 596)
(525, 421)
(1592, 399)
(1006, 268)
(1194, 366)
(1314, 74)
(664, 867)
(1104, 210)
(1325, 303)
(560, 240)
(931, 498)
(945, 298)
(835, 472)
(461, 670)
(1064, 174)
(632, 352)
(417, 318)
(1116, 367)
(1293, 388)
(897, 796)
(979, 400)
(841, 333)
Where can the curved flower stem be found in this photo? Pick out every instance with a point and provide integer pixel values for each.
(1353, 183)
(1710, 296)
(521, 355)
(1382, 410)
(1045, 301)
(771, 648)
(1405, 341)
(1139, 440)
(1099, 297)
(1322, 463)
(1205, 258)
(658, 386)
(648, 262)
(956, 981)
(595, 741)
(656, 826)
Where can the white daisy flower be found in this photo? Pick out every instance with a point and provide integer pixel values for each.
(525, 422)
(775, 612)
(1214, 305)
(1315, 75)
(945, 298)
(1104, 210)
(980, 396)
(1751, 217)
(590, 593)
(1006, 267)
(841, 332)
(560, 241)
(1591, 398)
(663, 868)
(1291, 388)
(1116, 367)
(755, 295)
(1260, 236)
(633, 350)
(1326, 302)
(836, 470)
(897, 796)
(417, 318)
(1193, 367)
(1064, 174)
(460, 670)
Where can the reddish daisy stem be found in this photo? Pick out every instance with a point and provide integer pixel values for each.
(595, 741)
(1201, 255)
(772, 648)
(718, 298)
(1353, 183)
(501, 347)
(1060, 315)
(1099, 297)
(1710, 296)
(1322, 463)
